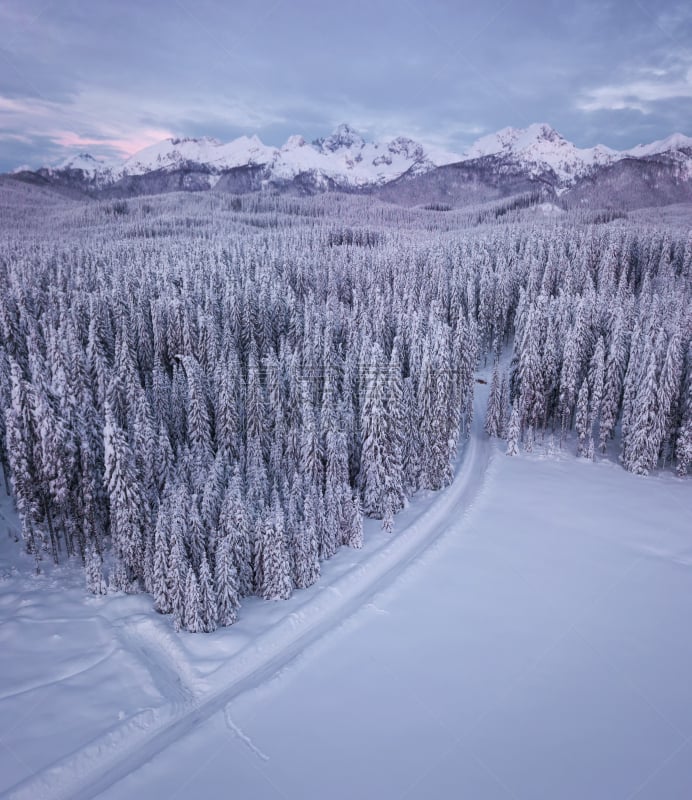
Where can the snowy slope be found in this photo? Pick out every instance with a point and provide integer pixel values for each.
(539, 147)
(243, 656)
(173, 154)
(671, 144)
(538, 648)
(101, 172)
(343, 157)
(346, 159)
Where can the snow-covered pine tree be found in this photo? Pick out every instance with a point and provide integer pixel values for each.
(192, 615)
(306, 562)
(95, 581)
(226, 583)
(161, 586)
(276, 583)
(514, 431)
(126, 498)
(236, 527)
(582, 417)
(207, 595)
(373, 425)
(495, 414)
(596, 384)
(395, 429)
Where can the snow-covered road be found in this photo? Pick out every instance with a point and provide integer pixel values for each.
(92, 769)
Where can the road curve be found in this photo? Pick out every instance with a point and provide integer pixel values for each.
(88, 772)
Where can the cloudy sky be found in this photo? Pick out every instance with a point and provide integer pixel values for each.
(111, 76)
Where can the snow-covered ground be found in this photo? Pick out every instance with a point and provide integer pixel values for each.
(526, 634)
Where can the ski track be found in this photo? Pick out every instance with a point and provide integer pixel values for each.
(93, 769)
(64, 675)
(161, 664)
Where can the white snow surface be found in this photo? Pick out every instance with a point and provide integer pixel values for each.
(524, 633)
(671, 144)
(343, 157)
(541, 147)
(347, 159)
(174, 153)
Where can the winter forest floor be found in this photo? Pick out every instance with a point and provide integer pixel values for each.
(524, 634)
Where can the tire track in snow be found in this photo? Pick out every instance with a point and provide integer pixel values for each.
(88, 772)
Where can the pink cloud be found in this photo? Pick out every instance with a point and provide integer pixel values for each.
(125, 145)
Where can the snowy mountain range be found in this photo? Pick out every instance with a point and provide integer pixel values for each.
(344, 158)
(511, 160)
(540, 148)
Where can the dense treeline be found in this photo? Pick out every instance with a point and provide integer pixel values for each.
(602, 343)
(209, 391)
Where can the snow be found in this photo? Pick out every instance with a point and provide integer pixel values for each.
(672, 143)
(524, 633)
(173, 153)
(541, 147)
(518, 658)
(92, 167)
(346, 158)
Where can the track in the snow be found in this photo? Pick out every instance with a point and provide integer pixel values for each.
(91, 770)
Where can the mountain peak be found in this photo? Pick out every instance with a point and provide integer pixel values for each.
(345, 159)
(541, 148)
(342, 137)
(674, 142)
(192, 140)
(294, 141)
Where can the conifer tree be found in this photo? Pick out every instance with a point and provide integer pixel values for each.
(125, 496)
(494, 418)
(208, 605)
(95, 581)
(192, 618)
(514, 431)
(275, 578)
(373, 423)
(226, 583)
(582, 418)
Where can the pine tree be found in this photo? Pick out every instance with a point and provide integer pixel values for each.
(95, 581)
(310, 450)
(637, 453)
(19, 433)
(306, 557)
(373, 423)
(683, 446)
(208, 603)
(161, 587)
(119, 578)
(192, 618)
(177, 576)
(494, 418)
(226, 583)
(235, 526)
(394, 443)
(125, 496)
(354, 536)
(275, 576)
(514, 431)
(411, 454)
(582, 418)
(596, 384)
(198, 419)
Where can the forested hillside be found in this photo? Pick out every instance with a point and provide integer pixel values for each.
(203, 393)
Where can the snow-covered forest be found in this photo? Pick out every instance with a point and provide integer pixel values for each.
(203, 394)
